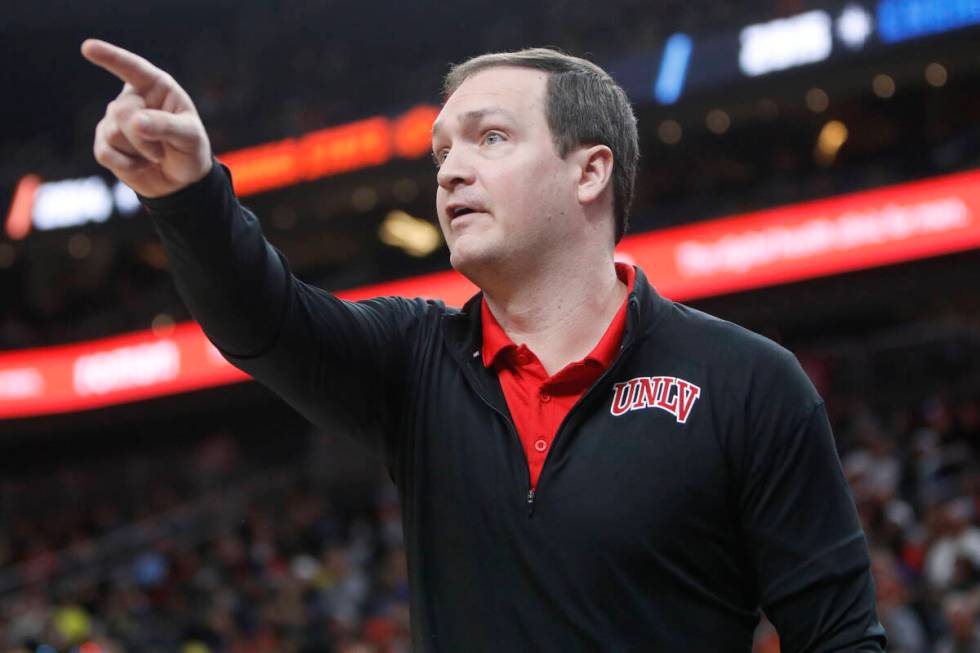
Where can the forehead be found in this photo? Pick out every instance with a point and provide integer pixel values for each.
(514, 90)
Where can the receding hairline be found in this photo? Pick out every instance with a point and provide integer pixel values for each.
(544, 60)
(484, 67)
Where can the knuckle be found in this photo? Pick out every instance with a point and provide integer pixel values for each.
(125, 106)
(114, 131)
(116, 109)
(101, 153)
(132, 122)
(113, 134)
(101, 138)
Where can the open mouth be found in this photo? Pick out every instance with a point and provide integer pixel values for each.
(458, 211)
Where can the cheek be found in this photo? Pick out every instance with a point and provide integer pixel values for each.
(522, 184)
(440, 204)
(537, 191)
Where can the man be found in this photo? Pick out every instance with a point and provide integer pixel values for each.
(583, 465)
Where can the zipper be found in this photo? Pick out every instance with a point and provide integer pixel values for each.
(520, 446)
(532, 492)
(568, 416)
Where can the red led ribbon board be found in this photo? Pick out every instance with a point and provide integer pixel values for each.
(803, 241)
(110, 371)
(814, 239)
(323, 153)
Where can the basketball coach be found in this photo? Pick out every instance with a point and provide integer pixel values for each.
(583, 465)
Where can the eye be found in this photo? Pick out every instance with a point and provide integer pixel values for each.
(493, 137)
(439, 156)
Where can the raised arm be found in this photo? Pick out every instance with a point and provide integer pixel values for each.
(329, 358)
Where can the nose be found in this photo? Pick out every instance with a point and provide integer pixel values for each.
(455, 170)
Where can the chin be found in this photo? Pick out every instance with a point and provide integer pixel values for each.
(473, 262)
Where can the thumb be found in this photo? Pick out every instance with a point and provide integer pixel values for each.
(182, 131)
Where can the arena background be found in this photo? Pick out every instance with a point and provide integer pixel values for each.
(808, 171)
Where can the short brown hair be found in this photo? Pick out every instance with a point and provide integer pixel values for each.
(584, 106)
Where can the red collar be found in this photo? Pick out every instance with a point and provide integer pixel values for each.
(496, 341)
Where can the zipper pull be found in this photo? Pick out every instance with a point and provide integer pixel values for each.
(530, 502)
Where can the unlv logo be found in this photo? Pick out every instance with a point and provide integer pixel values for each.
(669, 393)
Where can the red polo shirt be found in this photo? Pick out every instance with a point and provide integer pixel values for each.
(538, 402)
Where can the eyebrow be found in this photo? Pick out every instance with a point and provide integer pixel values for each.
(474, 116)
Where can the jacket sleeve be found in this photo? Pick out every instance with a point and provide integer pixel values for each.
(798, 518)
(330, 359)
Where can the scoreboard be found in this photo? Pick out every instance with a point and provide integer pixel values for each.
(689, 64)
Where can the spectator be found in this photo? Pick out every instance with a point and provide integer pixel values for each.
(964, 631)
(906, 633)
(953, 559)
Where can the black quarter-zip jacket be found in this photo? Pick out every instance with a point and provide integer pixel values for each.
(693, 484)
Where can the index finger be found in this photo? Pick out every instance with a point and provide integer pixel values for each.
(125, 65)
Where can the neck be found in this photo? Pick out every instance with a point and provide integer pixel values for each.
(560, 311)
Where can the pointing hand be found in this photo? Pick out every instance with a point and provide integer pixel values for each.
(151, 137)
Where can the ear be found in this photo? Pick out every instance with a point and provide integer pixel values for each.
(595, 164)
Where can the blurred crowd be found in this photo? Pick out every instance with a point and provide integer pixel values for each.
(286, 580)
(187, 551)
(916, 481)
(293, 566)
